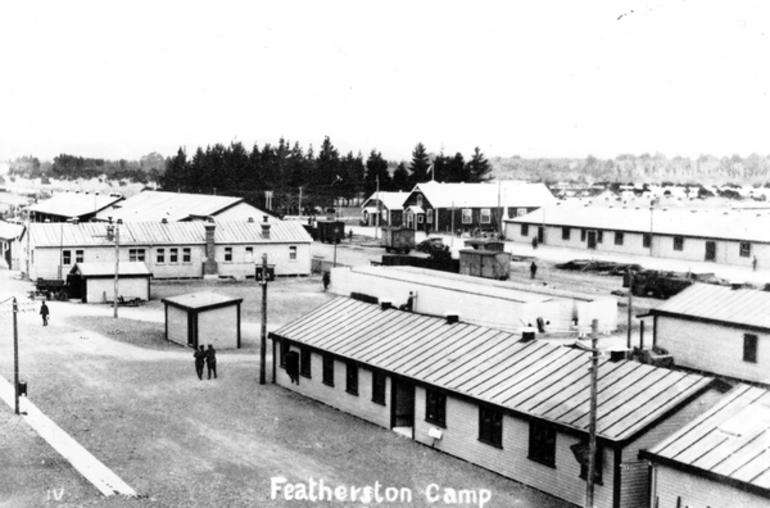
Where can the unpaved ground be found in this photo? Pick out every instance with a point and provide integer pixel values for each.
(134, 402)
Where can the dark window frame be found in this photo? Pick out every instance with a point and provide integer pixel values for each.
(137, 255)
(583, 234)
(228, 254)
(79, 253)
(599, 236)
(284, 348)
(160, 256)
(351, 378)
(186, 255)
(750, 347)
(744, 249)
(66, 257)
(328, 370)
(525, 230)
(173, 255)
(305, 363)
(542, 443)
(566, 233)
(678, 243)
(619, 238)
(646, 240)
(435, 407)
(491, 426)
(379, 387)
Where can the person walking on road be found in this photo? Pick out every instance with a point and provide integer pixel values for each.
(200, 357)
(326, 279)
(44, 313)
(754, 264)
(211, 361)
(532, 270)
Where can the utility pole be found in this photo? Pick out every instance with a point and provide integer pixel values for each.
(15, 356)
(299, 211)
(263, 341)
(113, 233)
(379, 210)
(592, 415)
(630, 305)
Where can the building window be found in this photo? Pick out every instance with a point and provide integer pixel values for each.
(542, 443)
(418, 200)
(429, 216)
(409, 218)
(351, 378)
(583, 235)
(745, 249)
(491, 427)
(565, 233)
(525, 230)
(486, 216)
(618, 238)
(186, 255)
(228, 254)
(750, 348)
(511, 212)
(304, 362)
(600, 237)
(420, 218)
(598, 466)
(161, 256)
(328, 370)
(646, 240)
(173, 255)
(292, 253)
(66, 257)
(249, 254)
(378, 387)
(136, 254)
(78, 256)
(467, 216)
(435, 408)
(678, 243)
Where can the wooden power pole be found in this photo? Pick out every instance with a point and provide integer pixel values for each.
(592, 416)
(263, 341)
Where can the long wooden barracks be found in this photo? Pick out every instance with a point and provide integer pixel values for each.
(518, 408)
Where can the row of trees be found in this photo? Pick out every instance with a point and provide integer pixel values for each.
(71, 167)
(289, 171)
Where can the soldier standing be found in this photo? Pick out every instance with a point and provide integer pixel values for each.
(211, 361)
(200, 356)
(44, 313)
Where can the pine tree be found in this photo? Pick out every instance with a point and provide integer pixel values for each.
(327, 172)
(478, 168)
(419, 165)
(401, 178)
(458, 170)
(376, 167)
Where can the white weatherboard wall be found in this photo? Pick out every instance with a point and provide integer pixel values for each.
(278, 255)
(100, 290)
(477, 307)
(218, 327)
(711, 347)
(176, 322)
(694, 491)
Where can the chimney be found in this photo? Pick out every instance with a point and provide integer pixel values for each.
(210, 265)
(164, 220)
(452, 319)
(385, 305)
(251, 219)
(265, 228)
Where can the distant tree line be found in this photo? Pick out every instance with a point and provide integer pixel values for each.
(323, 179)
(71, 167)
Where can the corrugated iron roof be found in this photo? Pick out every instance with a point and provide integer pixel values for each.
(70, 204)
(720, 303)
(703, 223)
(108, 268)
(201, 300)
(489, 194)
(732, 439)
(172, 206)
(157, 233)
(539, 379)
(10, 231)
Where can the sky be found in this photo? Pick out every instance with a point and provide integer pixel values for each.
(535, 79)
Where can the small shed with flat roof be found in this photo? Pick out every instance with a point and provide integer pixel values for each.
(95, 282)
(203, 318)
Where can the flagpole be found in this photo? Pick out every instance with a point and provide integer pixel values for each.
(379, 211)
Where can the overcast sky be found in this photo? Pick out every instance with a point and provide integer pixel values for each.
(535, 79)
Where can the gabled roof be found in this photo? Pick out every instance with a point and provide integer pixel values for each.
(486, 195)
(728, 443)
(748, 307)
(537, 379)
(172, 206)
(108, 269)
(701, 223)
(172, 233)
(71, 204)
(389, 200)
(201, 300)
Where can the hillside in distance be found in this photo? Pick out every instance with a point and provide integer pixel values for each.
(706, 169)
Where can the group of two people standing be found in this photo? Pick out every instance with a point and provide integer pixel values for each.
(209, 356)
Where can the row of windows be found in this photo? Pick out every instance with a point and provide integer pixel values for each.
(542, 436)
(677, 241)
(173, 255)
(467, 216)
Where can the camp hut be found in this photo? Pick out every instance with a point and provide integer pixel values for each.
(95, 282)
(719, 459)
(204, 318)
(520, 409)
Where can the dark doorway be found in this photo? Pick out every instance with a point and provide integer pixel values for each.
(711, 251)
(402, 406)
(591, 239)
(540, 234)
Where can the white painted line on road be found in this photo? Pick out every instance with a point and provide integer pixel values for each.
(89, 466)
